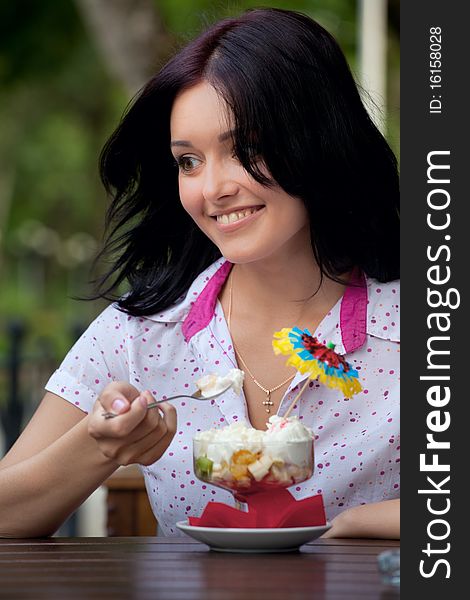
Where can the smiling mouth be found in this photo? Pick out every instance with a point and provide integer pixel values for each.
(235, 216)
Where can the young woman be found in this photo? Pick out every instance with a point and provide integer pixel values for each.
(251, 191)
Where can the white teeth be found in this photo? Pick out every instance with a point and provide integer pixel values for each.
(235, 216)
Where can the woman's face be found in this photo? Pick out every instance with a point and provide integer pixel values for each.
(245, 220)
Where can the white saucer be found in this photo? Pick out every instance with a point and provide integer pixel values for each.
(253, 540)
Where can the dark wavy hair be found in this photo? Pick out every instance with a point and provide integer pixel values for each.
(295, 105)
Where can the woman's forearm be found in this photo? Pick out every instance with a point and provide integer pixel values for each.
(39, 493)
(376, 520)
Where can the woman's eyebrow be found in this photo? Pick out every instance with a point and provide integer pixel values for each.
(226, 135)
(185, 143)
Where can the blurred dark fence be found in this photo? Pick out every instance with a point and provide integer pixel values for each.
(23, 375)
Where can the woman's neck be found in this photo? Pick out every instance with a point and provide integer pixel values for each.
(283, 292)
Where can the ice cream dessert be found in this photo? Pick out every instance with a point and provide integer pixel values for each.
(213, 384)
(248, 460)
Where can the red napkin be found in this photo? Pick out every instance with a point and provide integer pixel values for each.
(277, 508)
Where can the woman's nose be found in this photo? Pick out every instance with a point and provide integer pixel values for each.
(219, 182)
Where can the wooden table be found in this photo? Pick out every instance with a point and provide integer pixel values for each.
(182, 569)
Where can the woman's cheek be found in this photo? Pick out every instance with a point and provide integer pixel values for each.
(189, 199)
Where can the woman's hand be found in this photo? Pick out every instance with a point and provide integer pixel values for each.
(375, 520)
(136, 435)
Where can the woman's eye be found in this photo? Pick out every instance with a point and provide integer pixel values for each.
(186, 164)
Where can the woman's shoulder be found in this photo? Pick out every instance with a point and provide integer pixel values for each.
(383, 292)
(117, 328)
(203, 290)
(383, 309)
(114, 316)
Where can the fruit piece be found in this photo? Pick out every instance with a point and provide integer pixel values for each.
(203, 466)
(260, 468)
(244, 457)
(239, 471)
(244, 482)
(222, 474)
(296, 473)
(279, 475)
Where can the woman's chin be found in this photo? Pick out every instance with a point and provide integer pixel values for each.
(238, 257)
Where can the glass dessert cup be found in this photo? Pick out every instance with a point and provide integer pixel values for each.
(246, 468)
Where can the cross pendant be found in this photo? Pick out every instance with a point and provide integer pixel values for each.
(268, 402)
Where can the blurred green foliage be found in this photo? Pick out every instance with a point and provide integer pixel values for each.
(58, 104)
(187, 18)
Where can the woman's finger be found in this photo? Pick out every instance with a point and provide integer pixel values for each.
(167, 427)
(152, 454)
(153, 445)
(145, 447)
(120, 426)
(118, 396)
(169, 416)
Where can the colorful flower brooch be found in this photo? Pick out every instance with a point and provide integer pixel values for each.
(308, 355)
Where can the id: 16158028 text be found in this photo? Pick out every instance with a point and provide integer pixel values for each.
(435, 69)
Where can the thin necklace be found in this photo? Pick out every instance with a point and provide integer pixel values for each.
(268, 402)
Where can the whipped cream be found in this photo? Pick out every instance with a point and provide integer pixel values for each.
(285, 440)
(290, 429)
(213, 384)
(220, 444)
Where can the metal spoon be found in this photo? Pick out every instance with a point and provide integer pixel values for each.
(196, 396)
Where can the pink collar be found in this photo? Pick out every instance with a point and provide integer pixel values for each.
(202, 311)
(353, 312)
